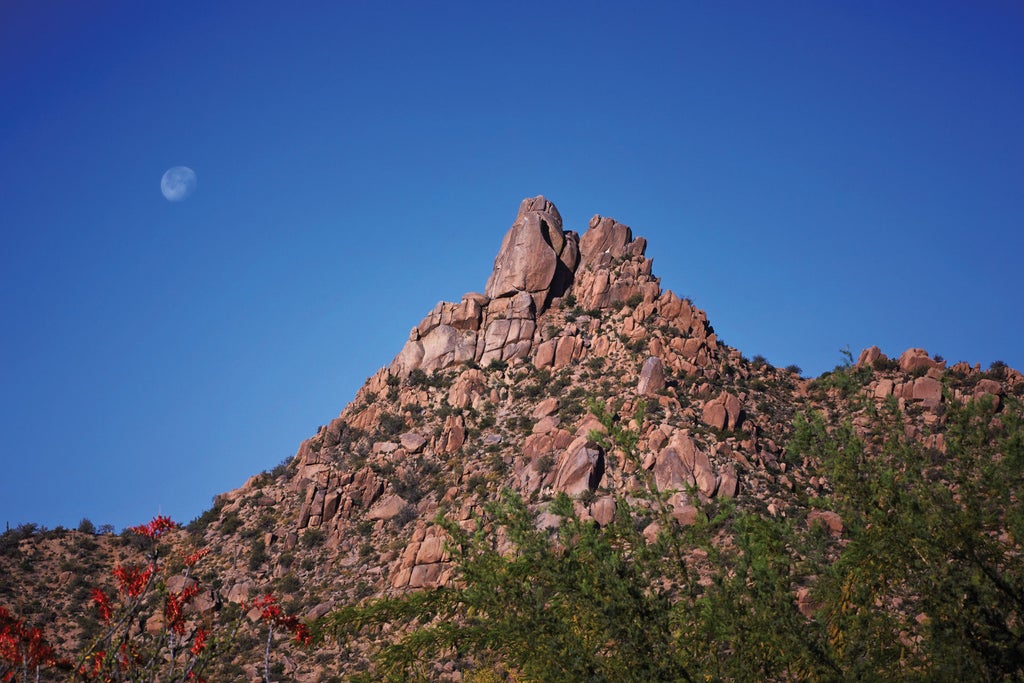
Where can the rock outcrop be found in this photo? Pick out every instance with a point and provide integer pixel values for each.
(536, 263)
(536, 256)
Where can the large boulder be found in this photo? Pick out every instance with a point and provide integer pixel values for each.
(580, 468)
(604, 236)
(912, 360)
(536, 256)
(652, 377)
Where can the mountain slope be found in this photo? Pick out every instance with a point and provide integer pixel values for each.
(503, 391)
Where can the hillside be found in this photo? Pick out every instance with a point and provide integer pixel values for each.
(575, 372)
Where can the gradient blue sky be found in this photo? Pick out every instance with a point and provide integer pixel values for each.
(813, 174)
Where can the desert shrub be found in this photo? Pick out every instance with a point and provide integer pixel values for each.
(230, 522)
(289, 583)
(257, 554)
(312, 537)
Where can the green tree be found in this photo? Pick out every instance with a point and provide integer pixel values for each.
(929, 585)
(926, 582)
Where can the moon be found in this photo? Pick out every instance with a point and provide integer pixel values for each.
(178, 183)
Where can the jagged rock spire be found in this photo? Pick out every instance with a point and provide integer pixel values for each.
(536, 256)
(538, 263)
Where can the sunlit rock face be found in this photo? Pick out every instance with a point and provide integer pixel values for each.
(536, 256)
(539, 264)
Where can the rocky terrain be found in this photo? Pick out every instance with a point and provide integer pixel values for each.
(497, 392)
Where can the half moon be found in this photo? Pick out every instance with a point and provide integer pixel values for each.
(178, 183)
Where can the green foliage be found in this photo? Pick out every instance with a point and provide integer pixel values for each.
(579, 609)
(437, 379)
(313, 537)
(230, 523)
(11, 539)
(258, 554)
(545, 463)
(391, 424)
(925, 584)
(930, 580)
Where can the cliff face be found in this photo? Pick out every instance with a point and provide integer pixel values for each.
(496, 391)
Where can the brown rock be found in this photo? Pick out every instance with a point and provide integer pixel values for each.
(319, 610)
(603, 510)
(453, 435)
(723, 412)
(683, 511)
(656, 439)
(729, 483)
(240, 591)
(714, 415)
(884, 388)
(830, 520)
(425, 575)
(987, 386)
(545, 356)
(580, 467)
(179, 582)
(413, 442)
(869, 356)
(707, 480)
(674, 468)
(431, 550)
(548, 406)
(470, 386)
(546, 425)
(508, 338)
(531, 255)
(568, 350)
(439, 348)
(387, 507)
(915, 359)
(385, 447)
(652, 377)
(928, 390)
(604, 236)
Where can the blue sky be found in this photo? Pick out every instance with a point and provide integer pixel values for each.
(812, 174)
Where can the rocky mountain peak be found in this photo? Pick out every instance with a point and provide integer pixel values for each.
(537, 265)
(516, 390)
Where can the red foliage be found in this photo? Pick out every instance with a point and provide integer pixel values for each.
(155, 528)
(132, 580)
(102, 603)
(174, 608)
(199, 642)
(190, 560)
(272, 613)
(119, 654)
(21, 645)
